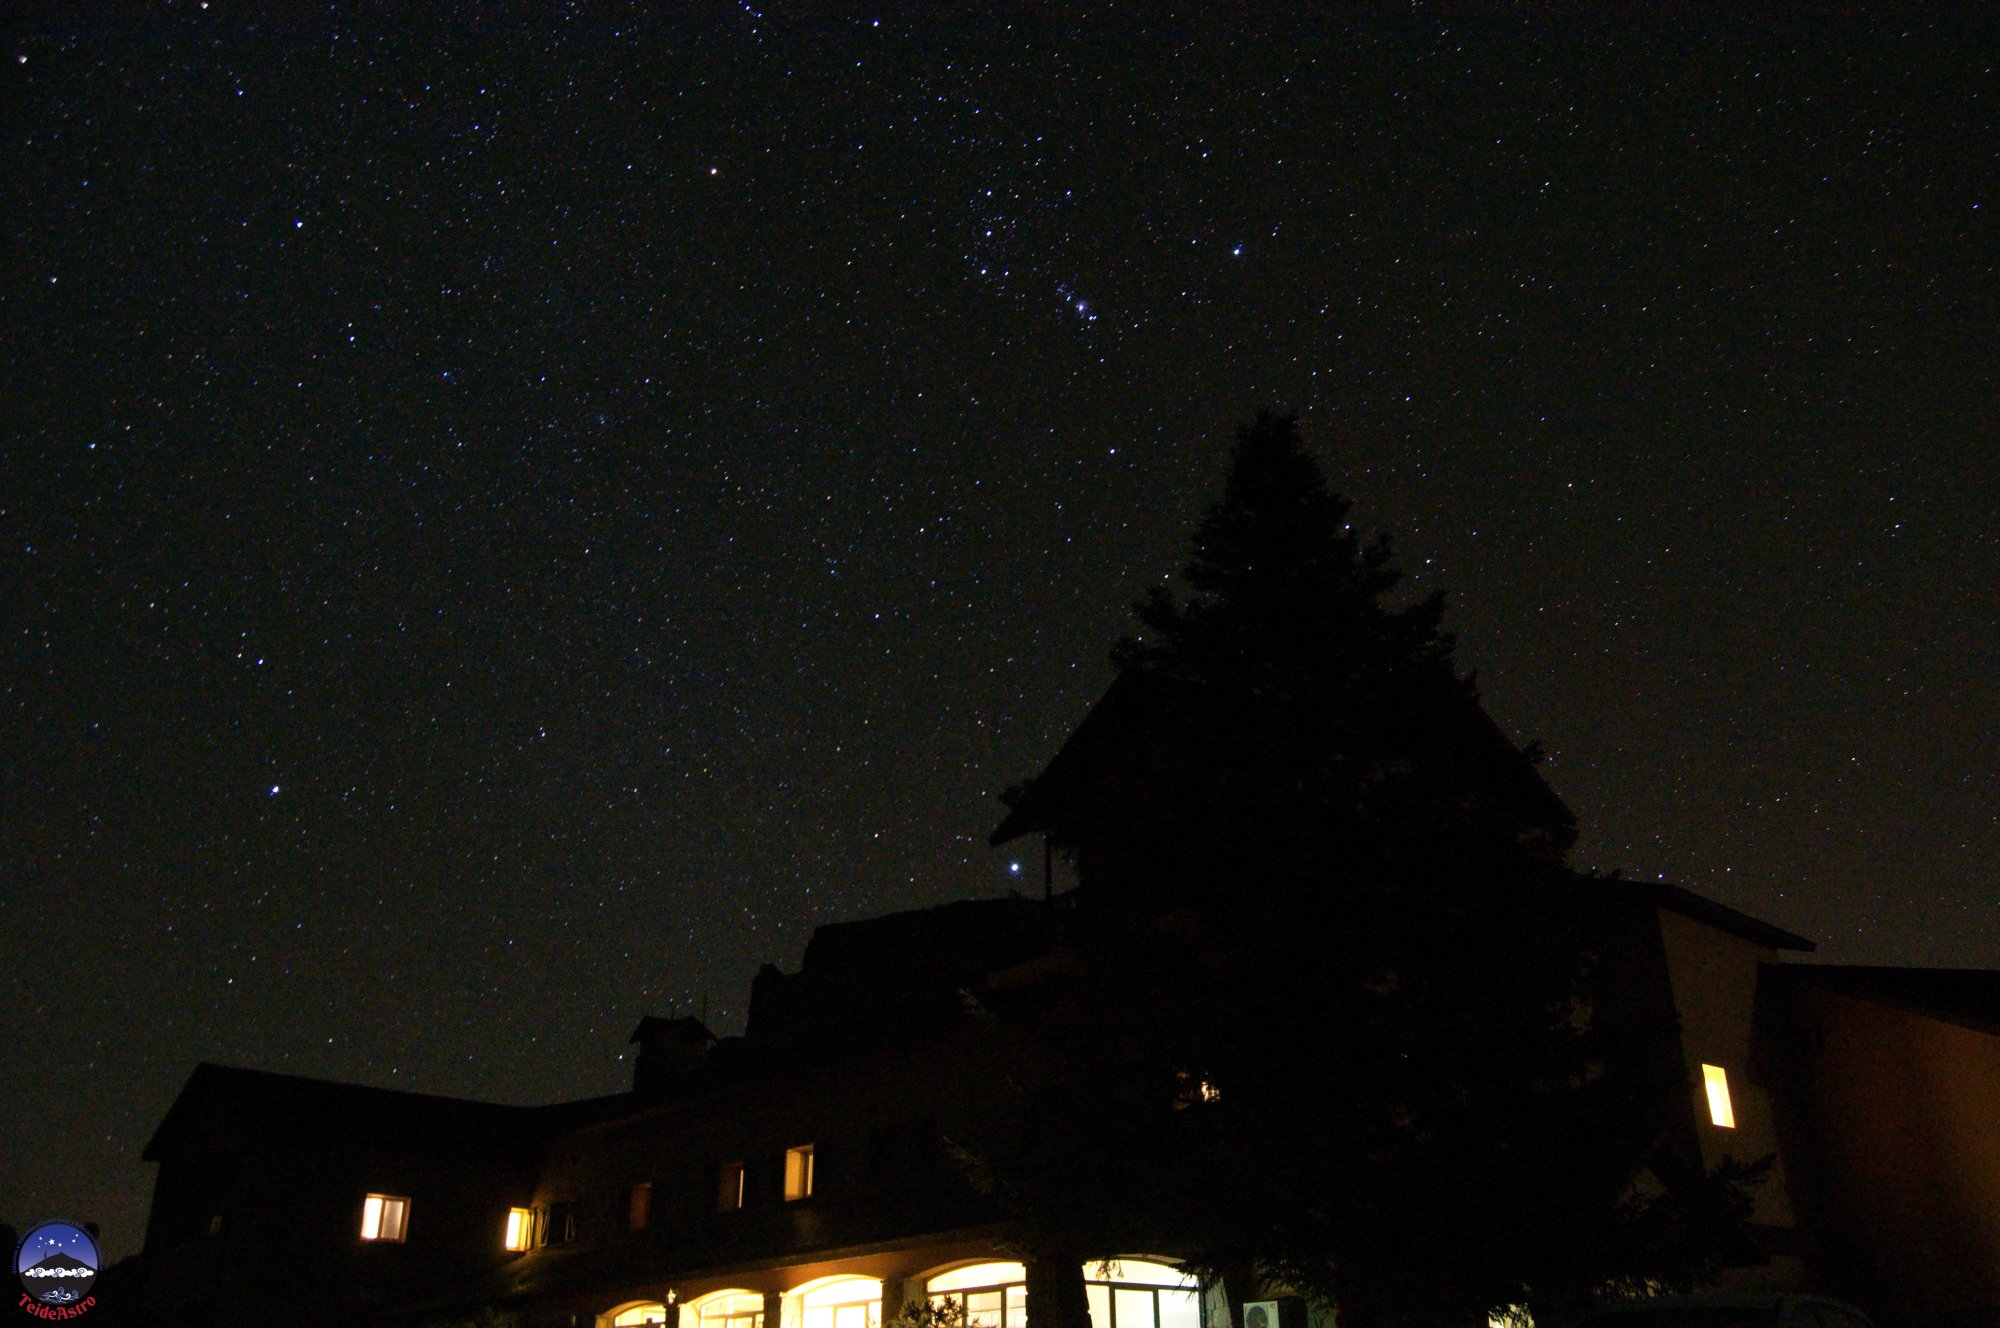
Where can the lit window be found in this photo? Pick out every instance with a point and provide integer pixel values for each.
(799, 1172)
(837, 1302)
(1716, 1080)
(977, 1275)
(1193, 1090)
(639, 1206)
(729, 1187)
(640, 1316)
(520, 1229)
(1135, 1293)
(384, 1217)
(988, 1295)
(725, 1309)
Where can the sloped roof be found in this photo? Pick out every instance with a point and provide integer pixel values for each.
(1969, 997)
(963, 938)
(680, 1031)
(880, 977)
(1677, 899)
(361, 1112)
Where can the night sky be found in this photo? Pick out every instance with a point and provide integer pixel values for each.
(506, 525)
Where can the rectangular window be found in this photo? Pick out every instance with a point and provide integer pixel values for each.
(520, 1229)
(384, 1217)
(986, 1309)
(1132, 1307)
(729, 1187)
(558, 1224)
(1180, 1309)
(639, 1206)
(1716, 1080)
(799, 1172)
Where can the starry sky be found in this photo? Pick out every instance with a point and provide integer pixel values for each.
(509, 518)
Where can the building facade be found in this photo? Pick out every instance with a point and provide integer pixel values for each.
(807, 1173)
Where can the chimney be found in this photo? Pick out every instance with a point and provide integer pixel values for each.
(671, 1052)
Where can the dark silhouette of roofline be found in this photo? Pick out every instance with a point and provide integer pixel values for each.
(1678, 899)
(448, 1119)
(1968, 997)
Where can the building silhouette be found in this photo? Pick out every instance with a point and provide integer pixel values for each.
(802, 1176)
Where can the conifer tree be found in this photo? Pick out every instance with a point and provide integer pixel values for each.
(1287, 598)
(1327, 914)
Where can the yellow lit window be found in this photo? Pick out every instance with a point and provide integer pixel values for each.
(1136, 1293)
(384, 1217)
(1193, 1090)
(837, 1302)
(799, 1171)
(1716, 1080)
(725, 1309)
(986, 1295)
(520, 1228)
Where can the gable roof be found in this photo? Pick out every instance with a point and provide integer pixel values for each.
(677, 1031)
(1676, 899)
(297, 1105)
(879, 978)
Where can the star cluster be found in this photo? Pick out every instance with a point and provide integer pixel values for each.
(509, 519)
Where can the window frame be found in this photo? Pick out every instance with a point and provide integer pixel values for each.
(1721, 1103)
(1013, 1308)
(731, 1199)
(828, 1296)
(555, 1223)
(377, 1212)
(799, 1172)
(1185, 1284)
(733, 1316)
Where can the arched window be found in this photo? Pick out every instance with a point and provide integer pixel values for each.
(724, 1309)
(992, 1295)
(643, 1315)
(1136, 1293)
(835, 1302)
